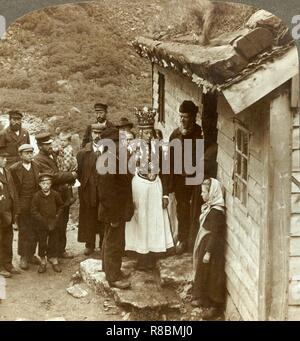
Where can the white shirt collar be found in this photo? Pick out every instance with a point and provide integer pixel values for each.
(27, 166)
(97, 148)
(1, 170)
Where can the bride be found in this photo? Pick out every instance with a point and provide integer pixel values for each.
(149, 232)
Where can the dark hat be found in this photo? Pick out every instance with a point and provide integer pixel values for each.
(110, 133)
(25, 148)
(15, 113)
(100, 107)
(188, 107)
(45, 176)
(43, 138)
(98, 127)
(124, 122)
(3, 152)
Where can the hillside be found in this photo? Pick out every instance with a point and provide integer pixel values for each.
(69, 56)
(58, 61)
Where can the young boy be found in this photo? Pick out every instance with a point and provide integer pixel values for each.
(26, 177)
(46, 208)
(66, 162)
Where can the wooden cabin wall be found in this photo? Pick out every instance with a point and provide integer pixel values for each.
(294, 263)
(243, 225)
(177, 89)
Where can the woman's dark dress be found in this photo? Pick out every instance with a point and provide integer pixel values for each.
(209, 283)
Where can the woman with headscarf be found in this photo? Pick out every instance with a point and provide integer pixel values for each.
(209, 254)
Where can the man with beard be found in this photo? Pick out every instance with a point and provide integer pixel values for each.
(13, 137)
(46, 160)
(188, 130)
(26, 179)
(101, 113)
(89, 225)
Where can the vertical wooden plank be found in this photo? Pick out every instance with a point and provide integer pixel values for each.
(279, 215)
(295, 92)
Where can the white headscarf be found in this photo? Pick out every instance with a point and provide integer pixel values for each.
(216, 201)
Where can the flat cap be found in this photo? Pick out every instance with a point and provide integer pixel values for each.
(100, 107)
(43, 138)
(15, 113)
(45, 176)
(25, 148)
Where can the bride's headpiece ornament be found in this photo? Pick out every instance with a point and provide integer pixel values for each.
(145, 117)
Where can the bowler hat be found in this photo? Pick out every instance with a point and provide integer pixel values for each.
(110, 133)
(188, 107)
(45, 176)
(43, 138)
(25, 148)
(100, 107)
(124, 122)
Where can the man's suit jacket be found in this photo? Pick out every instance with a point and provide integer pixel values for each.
(115, 197)
(87, 137)
(86, 159)
(5, 207)
(48, 164)
(17, 175)
(11, 141)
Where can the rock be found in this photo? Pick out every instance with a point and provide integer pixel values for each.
(126, 317)
(145, 293)
(254, 42)
(76, 291)
(185, 291)
(76, 278)
(263, 18)
(196, 311)
(175, 271)
(92, 274)
(74, 109)
(56, 319)
(164, 317)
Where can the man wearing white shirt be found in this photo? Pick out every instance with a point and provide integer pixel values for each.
(89, 225)
(25, 174)
(13, 137)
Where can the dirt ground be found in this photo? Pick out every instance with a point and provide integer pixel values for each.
(33, 296)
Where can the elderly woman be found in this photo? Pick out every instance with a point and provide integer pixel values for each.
(208, 256)
(148, 233)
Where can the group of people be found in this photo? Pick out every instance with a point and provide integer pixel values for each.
(128, 211)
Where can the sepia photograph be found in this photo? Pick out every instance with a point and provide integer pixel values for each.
(149, 163)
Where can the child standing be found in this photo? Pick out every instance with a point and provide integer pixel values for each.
(46, 208)
(209, 253)
(66, 162)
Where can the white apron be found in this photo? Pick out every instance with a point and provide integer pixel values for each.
(149, 229)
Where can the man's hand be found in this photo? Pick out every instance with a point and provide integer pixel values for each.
(165, 203)
(206, 258)
(114, 224)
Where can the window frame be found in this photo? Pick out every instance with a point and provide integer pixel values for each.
(161, 98)
(241, 180)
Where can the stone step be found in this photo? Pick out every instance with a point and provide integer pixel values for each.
(176, 271)
(145, 292)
